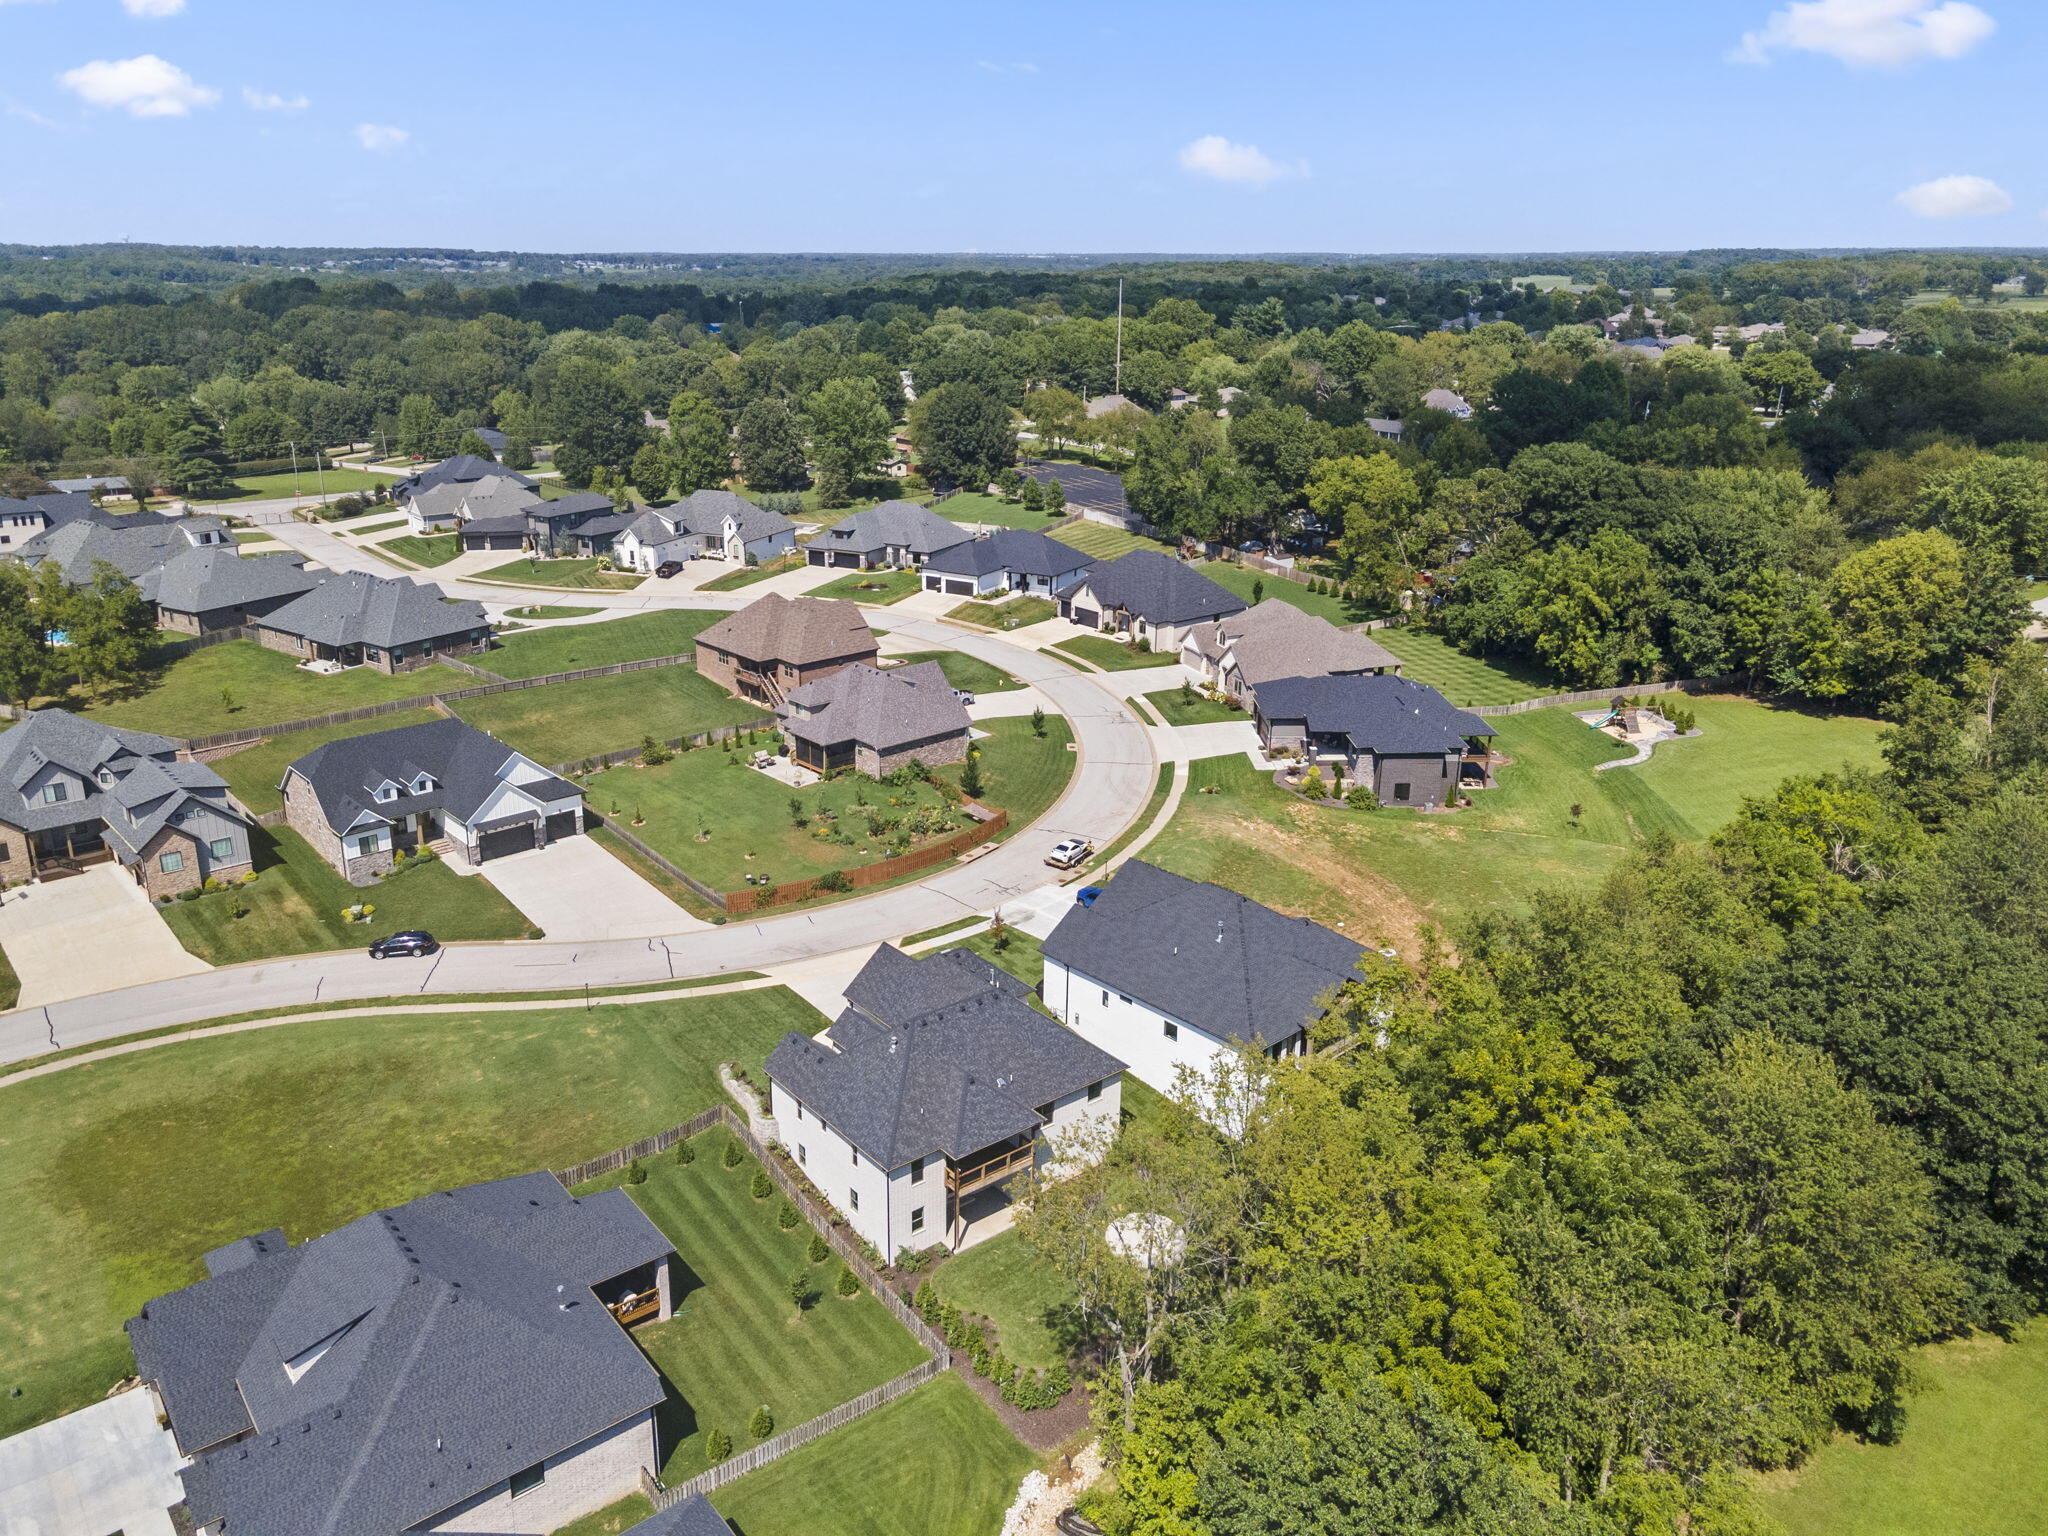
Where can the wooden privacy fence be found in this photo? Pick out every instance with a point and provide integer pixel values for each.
(825, 1224)
(1603, 695)
(878, 873)
(660, 861)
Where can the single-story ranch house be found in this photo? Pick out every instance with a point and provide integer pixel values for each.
(777, 644)
(82, 793)
(388, 623)
(714, 523)
(938, 1085)
(1010, 560)
(360, 799)
(899, 533)
(1150, 597)
(874, 721)
(1165, 972)
(1402, 737)
(212, 587)
(1275, 639)
(458, 1363)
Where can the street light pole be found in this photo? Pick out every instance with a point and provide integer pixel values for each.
(295, 467)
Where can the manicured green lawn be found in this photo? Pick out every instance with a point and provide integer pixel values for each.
(992, 511)
(558, 573)
(562, 722)
(1972, 1460)
(965, 671)
(572, 647)
(1465, 680)
(296, 901)
(10, 984)
(308, 1126)
(1114, 655)
(374, 525)
(737, 1342)
(1014, 613)
(1383, 872)
(550, 611)
(429, 549)
(255, 536)
(264, 687)
(1193, 710)
(305, 483)
(746, 576)
(254, 772)
(1021, 772)
(1021, 955)
(935, 1463)
(1004, 1281)
(611, 1520)
(879, 588)
(1105, 542)
(1241, 579)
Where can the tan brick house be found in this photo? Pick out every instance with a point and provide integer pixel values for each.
(778, 644)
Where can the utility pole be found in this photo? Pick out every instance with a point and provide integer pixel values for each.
(1118, 387)
(295, 467)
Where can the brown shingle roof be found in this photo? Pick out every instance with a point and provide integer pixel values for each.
(796, 630)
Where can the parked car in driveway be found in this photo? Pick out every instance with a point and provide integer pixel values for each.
(410, 942)
(668, 568)
(1085, 897)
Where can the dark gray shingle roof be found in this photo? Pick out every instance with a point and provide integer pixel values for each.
(693, 1517)
(1203, 954)
(892, 525)
(84, 747)
(575, 504)
(218, 576)
(1391, 715)
(351, 608)
(1159, 589)
(883, 710)
(936, 1055)
(463, 466)
(462, 1344)
(464, 763)
(1013, 550)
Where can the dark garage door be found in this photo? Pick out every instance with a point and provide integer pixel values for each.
(561, 824)
(1088, 618)
(960, 588)
(495, 845)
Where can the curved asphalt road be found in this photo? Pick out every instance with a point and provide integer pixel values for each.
(1110, 787)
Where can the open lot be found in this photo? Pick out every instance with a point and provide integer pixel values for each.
(965, 671)
(262, 687)
(307, 1126)
(1106, 542)
(563, 722)
(558, 573)
(992, 511)
(1242, 579)
(305, 483)
(935, 1463)
(571, 647)
(1010, 613)
(295, 904)
(1971, 1461)
(1465, 680)
(1386, 872)
(254, 772)
(876, 587)
(737, 1342)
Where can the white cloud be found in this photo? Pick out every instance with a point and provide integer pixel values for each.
(152, 8)
(1956, 197)
(1215, 156)
(380, 137)
(146, 86)
(270, 101)
(1869, 33)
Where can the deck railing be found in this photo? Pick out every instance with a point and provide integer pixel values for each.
(966, 1180)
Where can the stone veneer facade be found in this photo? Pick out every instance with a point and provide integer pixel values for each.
(424, 654)
(161, 886)
(302, 815)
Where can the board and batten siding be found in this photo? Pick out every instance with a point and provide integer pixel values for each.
(584, 1478)
(1128, 1027)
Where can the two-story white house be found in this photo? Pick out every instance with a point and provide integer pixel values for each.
(1167, 972)
(937, 1087)
(712, 523)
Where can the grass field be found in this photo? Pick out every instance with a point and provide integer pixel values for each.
(10, 984)
(264, 687)
(1972, 1460)
(563, 722)
(253, 773)
(1114, 655)
(374, 524)
(306, 1127)
(965, 671)
(1385, 872)
(550, 611)
(558, 573)
(748, 575)
(737, 1342)
(296, 901)
(1998, 301)
(1003, 1280)
(428, 549)
(304, 483)
(935, 1463)
(571, 647)
(1011, 613)
(1464, 680)
(991, 511)
(1199, 711)
(1161, 788)
(1241, 579)
(1105, 542)
(875, 587)
(255, 536)
(611, 1520)
(1021, 955)
(1021, 772)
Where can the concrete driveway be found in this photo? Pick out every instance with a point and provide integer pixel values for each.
(1221, 738)
(103, 1469)
(576, 889)
(71, 938)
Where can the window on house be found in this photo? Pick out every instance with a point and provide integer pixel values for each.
(853, 1199)
(106, 775)
(1094, 1092)
(366, 846)
(54, 794)
(799, 1111)
(917, 1219)
(222, 847)
(803, 1154)
(530, 1479)
(917, 1171)
(1105, 997)
(170, 863)
(856, 1156)
(1172, 1030)
(1400, 791)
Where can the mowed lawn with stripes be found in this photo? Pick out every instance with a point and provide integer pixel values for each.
(737, 1341)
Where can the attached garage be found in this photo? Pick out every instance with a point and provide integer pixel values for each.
(962, 588)
(495, 842)
(562, 824)
(1087, 618)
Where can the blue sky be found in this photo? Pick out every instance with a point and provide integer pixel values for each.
(1497, 125)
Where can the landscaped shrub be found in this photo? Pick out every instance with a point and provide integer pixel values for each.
(1361, 798)
(849, 1283)
(1312, 784)
(762, 1424)
(817, 1248)
(686, 1154)
(635, 1174)
(717, 1446)
(762, 1186)
(191, 893)
(799, 1286)
(733, 1155)
(836, 879)
(786, 1217)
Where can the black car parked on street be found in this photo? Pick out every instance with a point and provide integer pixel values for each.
(412, 941)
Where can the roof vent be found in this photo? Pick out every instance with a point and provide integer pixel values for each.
(892, 1045)
(1219, 930)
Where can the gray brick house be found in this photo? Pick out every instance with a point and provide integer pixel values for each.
(875, 721)
(1402, 737)
(457, 1363)
(214, 587)
(391, 624)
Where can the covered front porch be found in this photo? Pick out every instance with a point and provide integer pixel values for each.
(978, 1189)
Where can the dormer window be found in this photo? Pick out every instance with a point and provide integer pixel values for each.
(106, 775)
(422, 784)
(57, 793)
